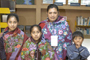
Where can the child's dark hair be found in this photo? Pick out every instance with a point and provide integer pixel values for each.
(13, 15)
(77, 33)
(35, 26)
(52, 6)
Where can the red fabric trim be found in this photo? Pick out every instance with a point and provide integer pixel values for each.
(17, 30)
(42, 25)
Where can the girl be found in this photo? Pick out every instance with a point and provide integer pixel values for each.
(13, 39)
(36, 47)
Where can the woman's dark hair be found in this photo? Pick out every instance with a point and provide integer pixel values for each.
(35, 26)
(77, 33)
(13, 15)
(52, 6)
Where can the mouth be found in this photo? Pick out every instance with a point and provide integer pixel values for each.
(12, 27)
(52, 17)
(36, 37)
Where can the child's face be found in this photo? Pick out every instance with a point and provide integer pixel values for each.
(78, 40)
(12, 23)
(35, 33)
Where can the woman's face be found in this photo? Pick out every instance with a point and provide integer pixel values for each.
(35, 33)
(12, 23)
(52, 14)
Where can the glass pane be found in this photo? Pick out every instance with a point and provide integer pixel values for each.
(4, 18)
(27, 2)
(85, 2)
(47, 1)
(73, 1)
(64, 1)
(8, 4)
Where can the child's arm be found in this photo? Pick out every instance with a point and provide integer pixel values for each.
(84, 52)
(72, 54)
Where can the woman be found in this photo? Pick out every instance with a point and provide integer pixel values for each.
(56, 27)
(13, 38)
(36, 47)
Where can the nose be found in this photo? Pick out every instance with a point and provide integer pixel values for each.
(35, 34)
(12, 24)
(77, 40)
(52, 14)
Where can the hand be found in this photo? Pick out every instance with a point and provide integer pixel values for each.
(47, 58)
(78, 45)
(43, 52)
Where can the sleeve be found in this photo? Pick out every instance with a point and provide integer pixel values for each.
(51, 52)
(84, 53)
(72, 54)
(68, 37)
(2, 51)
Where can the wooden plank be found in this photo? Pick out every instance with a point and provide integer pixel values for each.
(87, 36)
(38, 11)
(26, 16)
(80, 2)
(53, 1)
(66, 2)
(26, 6)
(82, 26)
(69, 7)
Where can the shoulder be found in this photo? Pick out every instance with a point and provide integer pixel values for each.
(42, 23)
(43, 40)
(29, 39)
(21, 32)
(63, 19)
(70, 46)
(84, 47)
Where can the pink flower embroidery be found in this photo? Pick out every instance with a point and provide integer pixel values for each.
(62, 19)
(60, 32)
(64, 45)
(66, 23)
(6, 36)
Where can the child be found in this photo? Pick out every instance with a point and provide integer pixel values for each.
(36, 47)
(77, 51)
(12, 39)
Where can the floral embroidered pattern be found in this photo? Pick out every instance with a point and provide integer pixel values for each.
(11, 44)
(62, 30)
(29, 49)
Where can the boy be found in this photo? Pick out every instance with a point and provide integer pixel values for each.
(76, 51)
